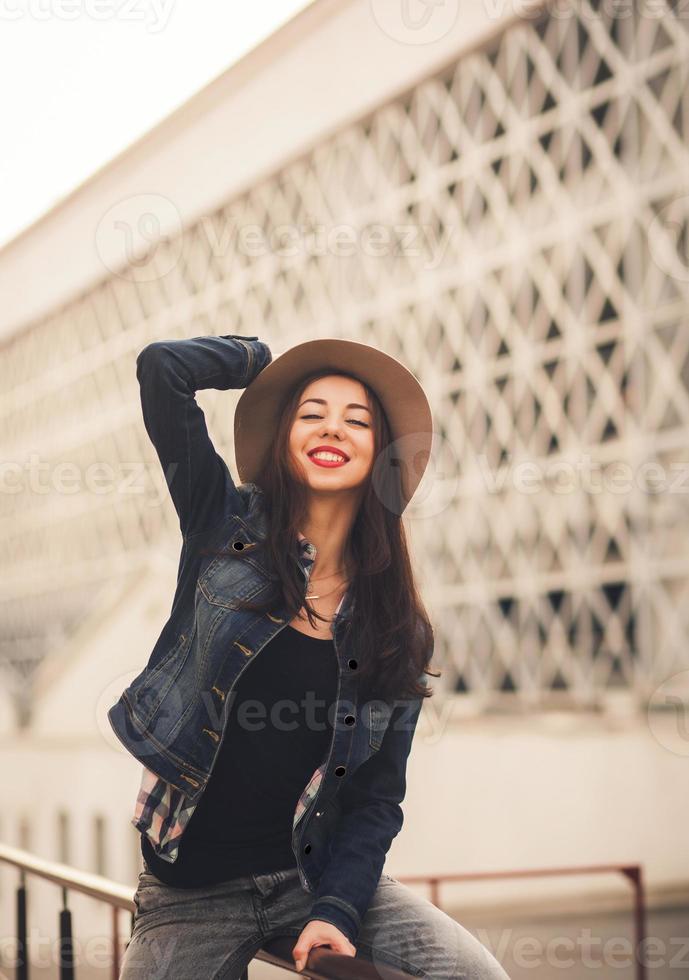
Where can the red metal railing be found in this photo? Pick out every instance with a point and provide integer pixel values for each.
(633, 873)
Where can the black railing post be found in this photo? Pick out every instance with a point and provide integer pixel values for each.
(115, 942)
(66, 945)
(22, 951)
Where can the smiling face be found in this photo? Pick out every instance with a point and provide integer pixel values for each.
(333, 412)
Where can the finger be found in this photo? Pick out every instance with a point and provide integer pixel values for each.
(301, 952)
(300, 959)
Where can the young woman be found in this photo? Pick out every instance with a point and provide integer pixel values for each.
(277, 710)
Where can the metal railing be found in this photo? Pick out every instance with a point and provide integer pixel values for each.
(632, 872)
(322, 963)
(69, 880)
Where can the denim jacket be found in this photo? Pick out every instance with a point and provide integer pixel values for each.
(172, 716)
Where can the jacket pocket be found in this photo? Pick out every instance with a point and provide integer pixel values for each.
(238, 575)
(156, 683)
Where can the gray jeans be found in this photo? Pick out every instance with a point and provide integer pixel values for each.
(212, 933)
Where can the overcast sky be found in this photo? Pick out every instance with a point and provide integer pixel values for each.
(82, 79)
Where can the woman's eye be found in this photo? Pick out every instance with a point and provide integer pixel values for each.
(356, 421)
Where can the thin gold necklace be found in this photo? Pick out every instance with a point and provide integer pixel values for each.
(322, 577)
(324, 594)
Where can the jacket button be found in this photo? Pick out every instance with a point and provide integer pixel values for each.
(349, 719)
(307, 848)
(353, 664)
(340, 771)
(318, 813)
(238, 545)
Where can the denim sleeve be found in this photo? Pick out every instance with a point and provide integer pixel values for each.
(170, 372)
(371, 818)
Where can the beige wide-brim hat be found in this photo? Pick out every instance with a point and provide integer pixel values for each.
(401, 395)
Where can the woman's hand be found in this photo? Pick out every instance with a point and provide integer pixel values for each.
(319, 933)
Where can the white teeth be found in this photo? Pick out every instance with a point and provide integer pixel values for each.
(330, 456)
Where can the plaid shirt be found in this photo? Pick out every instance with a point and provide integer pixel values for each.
(162, 811)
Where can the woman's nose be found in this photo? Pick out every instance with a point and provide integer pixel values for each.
(332, 428)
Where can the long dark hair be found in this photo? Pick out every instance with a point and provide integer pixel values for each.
(393, 632)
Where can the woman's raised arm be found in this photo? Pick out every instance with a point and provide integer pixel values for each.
(170, 372)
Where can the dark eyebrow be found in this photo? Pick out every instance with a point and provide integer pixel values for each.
(322, 401)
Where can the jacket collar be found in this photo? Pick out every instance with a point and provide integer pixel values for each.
(307, 557)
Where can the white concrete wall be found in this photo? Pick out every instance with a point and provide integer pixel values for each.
(110, 647)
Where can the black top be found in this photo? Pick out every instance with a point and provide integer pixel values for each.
(271, 747)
